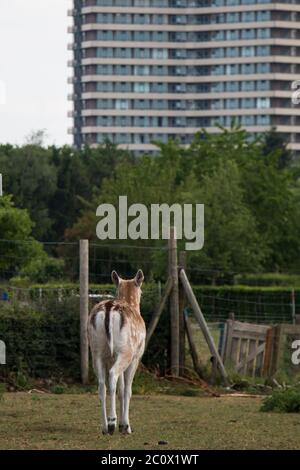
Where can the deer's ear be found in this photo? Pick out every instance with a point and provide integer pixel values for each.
(115, 278)
(139, 278)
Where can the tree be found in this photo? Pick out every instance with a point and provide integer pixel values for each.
(31, 178)
(232, 241)
(272, 142)
(17, 247)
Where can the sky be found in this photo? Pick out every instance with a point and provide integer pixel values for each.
(33, 70)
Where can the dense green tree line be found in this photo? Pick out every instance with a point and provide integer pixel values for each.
(50, 182)
(250, 189)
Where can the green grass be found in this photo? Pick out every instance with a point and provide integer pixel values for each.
(72, 422)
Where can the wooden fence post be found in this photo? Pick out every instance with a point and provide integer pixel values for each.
(182, 300)
(174, 302)
(84, 309)
(293, 306)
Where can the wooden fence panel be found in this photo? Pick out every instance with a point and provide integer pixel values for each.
(245, 347)
(256, 350)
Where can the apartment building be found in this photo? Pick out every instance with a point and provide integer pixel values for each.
(147, 70)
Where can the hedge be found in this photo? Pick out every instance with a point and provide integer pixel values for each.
(42, 333)
(253, 304)
(268, 279)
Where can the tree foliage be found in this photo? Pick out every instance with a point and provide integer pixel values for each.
(250, 190)
(17, 247)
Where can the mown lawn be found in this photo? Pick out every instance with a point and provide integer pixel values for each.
(71, 422)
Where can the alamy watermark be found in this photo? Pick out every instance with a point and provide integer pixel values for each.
(2, 353)
(296, 92)
(296, 353)
(136, 222)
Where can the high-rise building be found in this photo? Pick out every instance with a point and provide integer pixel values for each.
(147, 70)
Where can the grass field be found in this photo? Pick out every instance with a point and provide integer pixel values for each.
(72, 422)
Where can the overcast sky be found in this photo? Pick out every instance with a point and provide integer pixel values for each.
(33, 69)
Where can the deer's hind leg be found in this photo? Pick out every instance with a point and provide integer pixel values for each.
(121, 398)
(114, 375)
(101, 373)
(128, 379)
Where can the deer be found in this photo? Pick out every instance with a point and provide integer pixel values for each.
(117, 333)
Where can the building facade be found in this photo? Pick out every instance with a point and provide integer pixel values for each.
(147, 70)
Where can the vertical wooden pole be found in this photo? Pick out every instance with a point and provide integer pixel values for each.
(174, 303)
(198, 366)
(293, 306)
(277, 339)
(84, 309)
(182, 265)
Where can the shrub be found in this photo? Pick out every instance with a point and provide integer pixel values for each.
(43, 269)
(58, 389)
(284, 401)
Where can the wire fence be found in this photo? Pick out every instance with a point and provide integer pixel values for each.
(31, 271)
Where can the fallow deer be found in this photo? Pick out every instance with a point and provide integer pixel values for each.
(117, 335)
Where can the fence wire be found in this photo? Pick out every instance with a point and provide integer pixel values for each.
(27, 267)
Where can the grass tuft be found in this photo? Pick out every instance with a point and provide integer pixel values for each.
(283, 401)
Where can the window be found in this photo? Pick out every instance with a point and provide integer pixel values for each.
(141, 70)
(232, 52)
(248, 68)
(141, 87)
(263, 50)
(122, 104)
(263, 85)
(263, 120)
(232, 69)
(263, 15)
(159, 53)
(232, 35)
(248, 103)
(247, 120)
(264, 33)
(248, 16)
(248, 34)
(232, 86)
(263, 102)
(248, 51)
(263, 68)
(232, 103)
(232, 17)
(248, 86)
